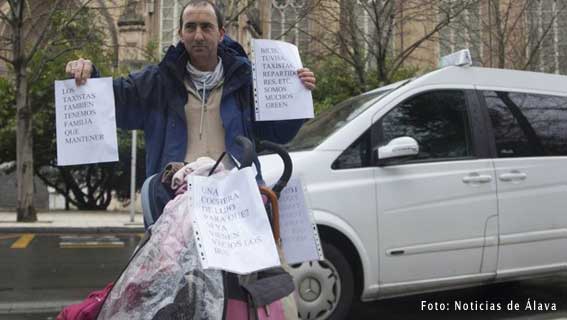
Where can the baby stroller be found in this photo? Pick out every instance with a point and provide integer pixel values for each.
(197, 293)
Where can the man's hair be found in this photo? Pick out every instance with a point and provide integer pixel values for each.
(202, 3)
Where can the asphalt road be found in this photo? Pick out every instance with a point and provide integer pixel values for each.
(51, 269)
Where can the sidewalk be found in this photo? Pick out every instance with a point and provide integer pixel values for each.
(73, 221)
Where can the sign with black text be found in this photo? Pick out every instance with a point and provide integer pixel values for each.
(230, 224)
(300, 238)
(279, 94)
(85, 122)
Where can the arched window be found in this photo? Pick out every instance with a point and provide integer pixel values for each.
(169, 23)
(289, 21)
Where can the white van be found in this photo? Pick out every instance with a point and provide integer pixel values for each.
(456, 178)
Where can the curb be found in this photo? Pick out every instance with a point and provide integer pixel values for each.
(51, 230)
(34, 307)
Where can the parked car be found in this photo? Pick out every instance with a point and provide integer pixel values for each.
(457, 178)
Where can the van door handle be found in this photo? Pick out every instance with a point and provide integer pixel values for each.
(513, 176)
(475, 178)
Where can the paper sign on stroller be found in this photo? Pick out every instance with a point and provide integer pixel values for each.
(300, 238)
(231, 228)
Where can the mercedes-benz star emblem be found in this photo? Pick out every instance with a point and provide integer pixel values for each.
(310, 289)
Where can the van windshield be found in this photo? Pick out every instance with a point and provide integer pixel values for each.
(319, 128)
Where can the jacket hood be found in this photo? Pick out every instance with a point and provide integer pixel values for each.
(232, 45)
(231, 52)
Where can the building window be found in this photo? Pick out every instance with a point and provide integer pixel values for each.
(289, 22)
(170, 11)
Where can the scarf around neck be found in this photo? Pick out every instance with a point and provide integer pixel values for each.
(205, 80)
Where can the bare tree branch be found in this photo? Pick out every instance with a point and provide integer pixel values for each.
(299, 19)
(234, 17)
(401, 57)
(13, 5)
(327, 47)
(44, 32)
(46, 60)
(507, 38)
(4, 17)
(9, 61)
(387, 21)
(538, 45)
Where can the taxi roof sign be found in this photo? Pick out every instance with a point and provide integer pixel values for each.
(459, 58)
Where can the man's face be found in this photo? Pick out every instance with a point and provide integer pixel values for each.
(201, 35)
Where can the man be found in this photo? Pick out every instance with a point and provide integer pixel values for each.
(198, 99)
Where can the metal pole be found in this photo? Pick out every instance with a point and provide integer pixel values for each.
(133, 177)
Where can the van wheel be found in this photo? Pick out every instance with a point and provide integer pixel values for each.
(325, 289)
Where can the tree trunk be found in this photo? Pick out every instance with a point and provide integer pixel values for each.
(382, 72)
(24, 150)
(24, 144)
(67, 207)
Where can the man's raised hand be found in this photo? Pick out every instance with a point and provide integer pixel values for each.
(80, 70)
(307, 77)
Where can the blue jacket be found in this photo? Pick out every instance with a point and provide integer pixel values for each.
(154, 100)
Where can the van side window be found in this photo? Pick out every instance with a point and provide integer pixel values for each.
(357, 155)
(437, 120)
(527, 125)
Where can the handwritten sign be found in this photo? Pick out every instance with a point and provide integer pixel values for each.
(85, 122)
(300, 238)
(279, 94)
(231, 227)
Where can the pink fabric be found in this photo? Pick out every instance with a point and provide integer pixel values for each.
(238, 310)
(88, 309)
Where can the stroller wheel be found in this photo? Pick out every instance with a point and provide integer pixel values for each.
(325, 288)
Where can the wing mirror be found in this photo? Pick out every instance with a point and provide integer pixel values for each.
(401, 147)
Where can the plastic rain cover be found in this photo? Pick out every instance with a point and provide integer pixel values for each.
(167, 263)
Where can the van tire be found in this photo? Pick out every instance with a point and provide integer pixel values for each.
(336, 257)
(337, 275)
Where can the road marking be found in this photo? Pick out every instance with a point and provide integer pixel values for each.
(89, 241)
(33, 307)
(9, 236)
(83, 245)
(23, 241)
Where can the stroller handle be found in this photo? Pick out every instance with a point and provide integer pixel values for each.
(247, 151)
(288, 166)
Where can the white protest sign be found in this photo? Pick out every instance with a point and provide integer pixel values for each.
(298, 231)
(279, 94)
(85, 122)
(231, 227)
